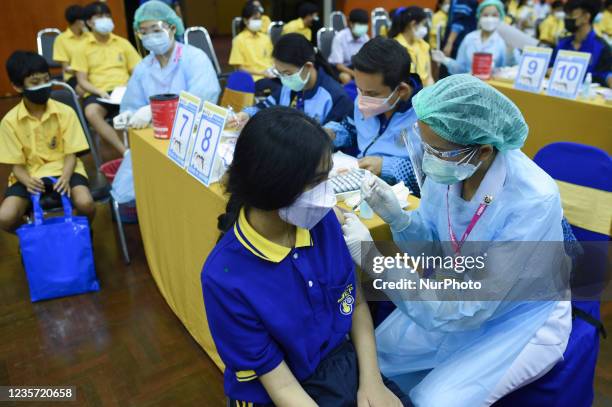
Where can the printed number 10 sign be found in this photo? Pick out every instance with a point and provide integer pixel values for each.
(212, 122)
(532, 69)
(182, 130)
(568, 73)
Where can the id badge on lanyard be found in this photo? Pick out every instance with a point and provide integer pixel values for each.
(477, 215)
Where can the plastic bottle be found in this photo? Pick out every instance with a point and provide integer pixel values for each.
(586, 86)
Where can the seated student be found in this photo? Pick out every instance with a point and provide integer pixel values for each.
(579, 22)
(603, 27)
(382, 110)
(490, 14)
(170, 67)
(409, 27)
(252, 50)
(103, 62)
(284, 336)
(265, 20)
(67, 42)
(438, 22)
(40, 138)
(553, 26)
(308, 14)
(526, 16)
(348, 42)
(308, 84)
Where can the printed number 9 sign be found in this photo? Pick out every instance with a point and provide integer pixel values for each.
(532, 69)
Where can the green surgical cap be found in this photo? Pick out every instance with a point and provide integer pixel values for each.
(464, 110)
(496, 3)
(158, 11)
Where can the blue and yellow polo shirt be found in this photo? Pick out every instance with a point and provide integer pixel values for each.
(267, 303)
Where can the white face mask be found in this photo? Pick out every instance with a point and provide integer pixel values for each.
(104, 25)
(489, 23)
(445, 8)
(310, 207)
(420, 32)
(559, 15)
(254, 25)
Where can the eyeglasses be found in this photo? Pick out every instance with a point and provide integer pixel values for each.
(159, 27)
(438, 153)
(279, 74)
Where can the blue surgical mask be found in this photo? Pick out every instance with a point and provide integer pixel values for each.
(104, 25)
(448, 172)
(295, 81)
(158, 43)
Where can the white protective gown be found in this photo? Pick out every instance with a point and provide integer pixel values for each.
(470, 349)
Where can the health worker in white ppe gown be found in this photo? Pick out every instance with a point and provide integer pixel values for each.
(471, 347)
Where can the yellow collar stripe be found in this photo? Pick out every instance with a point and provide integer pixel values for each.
(262, 247)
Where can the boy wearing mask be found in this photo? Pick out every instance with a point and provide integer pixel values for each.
(40, 138)
(103, 63)
(348, 42)
(308, 15)
(579, 23)
(553, 26)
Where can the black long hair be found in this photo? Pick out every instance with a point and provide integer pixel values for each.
(248, 11)
(295, 49)
(277, 156)
(403, 17)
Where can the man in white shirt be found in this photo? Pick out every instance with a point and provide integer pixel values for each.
(348, 42)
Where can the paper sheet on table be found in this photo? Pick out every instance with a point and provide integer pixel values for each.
(342, 162)
(401, 193)
(514, 37)
(115, 96)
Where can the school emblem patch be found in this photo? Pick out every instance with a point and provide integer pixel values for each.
(347, 300)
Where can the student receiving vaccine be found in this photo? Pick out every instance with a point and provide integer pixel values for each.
(383, 110)
(308, 84)
(409, 28)
(282, 300)
(490, 14)
(482, 196)
(170, 67)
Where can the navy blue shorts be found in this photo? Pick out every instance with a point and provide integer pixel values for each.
(335, 382)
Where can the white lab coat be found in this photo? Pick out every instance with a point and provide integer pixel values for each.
(472, 346)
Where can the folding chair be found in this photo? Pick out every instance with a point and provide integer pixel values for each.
(378, 12)
(570, 382)
(236, 26)
(378, 23)
(239, 91)
(44, 43)
(199, 37)
(325, 38)
(275, 31)
(98, 185)
(337, 21)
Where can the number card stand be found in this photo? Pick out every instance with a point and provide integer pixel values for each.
(532, 69)
(183, 127)
(206, 142)
(568, 74)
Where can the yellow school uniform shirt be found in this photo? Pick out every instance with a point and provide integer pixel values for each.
(265, 23)
(513, 8)
(297, 26)
(419, 54)
(551, 29)
(252, 51)
(41, 145)
(440, 18)
(64, 47)
(107, 64)
(604, 27)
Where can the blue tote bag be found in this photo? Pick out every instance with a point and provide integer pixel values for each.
(57, 254)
